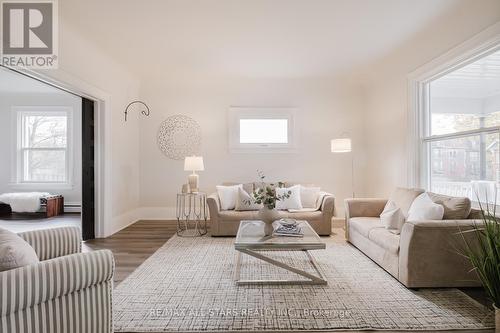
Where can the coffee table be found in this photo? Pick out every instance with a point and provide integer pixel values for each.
(251, 240)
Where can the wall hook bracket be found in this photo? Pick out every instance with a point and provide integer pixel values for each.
(144, 112)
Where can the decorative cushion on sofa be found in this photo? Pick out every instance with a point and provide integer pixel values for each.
(455, 208)
(248, 187)
(227, 196)
(392, 218)
(403, 198)
(14, 251)
(245, 201)
(292, 202)
(309, 196)
(423, 208)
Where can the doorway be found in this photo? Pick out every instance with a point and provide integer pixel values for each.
(47, 151)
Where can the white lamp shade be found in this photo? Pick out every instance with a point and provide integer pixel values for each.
(341, 145)
(193, 163)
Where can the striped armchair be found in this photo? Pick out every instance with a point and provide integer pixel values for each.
(67, 291)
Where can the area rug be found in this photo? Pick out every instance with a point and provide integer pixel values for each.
(187, 286)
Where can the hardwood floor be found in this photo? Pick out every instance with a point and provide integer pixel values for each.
(134, 244)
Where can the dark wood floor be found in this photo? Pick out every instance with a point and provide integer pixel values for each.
(134, 244)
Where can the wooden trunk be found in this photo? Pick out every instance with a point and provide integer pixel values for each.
(54, 206)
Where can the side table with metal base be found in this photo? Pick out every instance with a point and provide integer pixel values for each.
(191, 211)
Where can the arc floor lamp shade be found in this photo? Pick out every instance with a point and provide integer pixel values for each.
(342, 145)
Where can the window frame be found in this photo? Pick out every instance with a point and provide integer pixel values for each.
(18, 167)
(238, 113)
(479, 46)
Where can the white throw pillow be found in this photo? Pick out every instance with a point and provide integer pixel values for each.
(14, 251)
(245, 201)
(423, 208)
(292, 202)
(392, 218)
(309, 196)
(228, 195)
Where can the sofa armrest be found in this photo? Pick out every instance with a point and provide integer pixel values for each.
(328, 204)
(364, 207)
(53, 243)
(429, 254)
(34, 284)
(213, 204)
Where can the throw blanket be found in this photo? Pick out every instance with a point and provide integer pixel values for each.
(28, 202)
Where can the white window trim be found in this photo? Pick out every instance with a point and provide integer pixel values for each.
(17, 166)
(236, 113)
(484, 43)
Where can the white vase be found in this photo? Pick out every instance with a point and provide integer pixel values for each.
(497, 319)
(268, 216)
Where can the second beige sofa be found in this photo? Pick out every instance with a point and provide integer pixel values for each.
(424, 254)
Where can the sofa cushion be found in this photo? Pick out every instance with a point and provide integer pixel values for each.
(228, 195)
(364, 225)
(423, 208)
(245, 201)
(231, 215)
(385, 239)
(293, 200)
(14, 251)
(301, 215)
(403, 197)
(455, 208)
(248, 187)
(309, 196)
(392, 217)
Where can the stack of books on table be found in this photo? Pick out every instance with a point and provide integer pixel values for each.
(288, 228)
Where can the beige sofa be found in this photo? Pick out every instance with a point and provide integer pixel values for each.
(423, 255)
(226, 222)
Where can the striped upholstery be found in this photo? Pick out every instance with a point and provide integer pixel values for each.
(53, 243)
(72, 293)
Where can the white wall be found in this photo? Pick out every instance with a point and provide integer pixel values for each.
(386, 86)
(8, 144)
(325, 110)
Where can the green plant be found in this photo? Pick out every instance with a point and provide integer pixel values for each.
(483, 251)
(266, 194)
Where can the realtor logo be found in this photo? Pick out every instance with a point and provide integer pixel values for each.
(29, 37)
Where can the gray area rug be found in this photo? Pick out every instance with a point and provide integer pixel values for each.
(187, 285)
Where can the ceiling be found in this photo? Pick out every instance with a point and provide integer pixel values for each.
(479, 79)
(249, 38)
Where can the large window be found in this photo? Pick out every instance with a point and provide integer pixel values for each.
(461, 137)
(261, 129)
(43, 146)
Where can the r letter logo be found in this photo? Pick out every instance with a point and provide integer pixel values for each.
(28, 34)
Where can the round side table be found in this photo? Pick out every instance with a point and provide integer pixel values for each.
(191, 211)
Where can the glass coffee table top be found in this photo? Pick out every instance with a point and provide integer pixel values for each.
(251, 236)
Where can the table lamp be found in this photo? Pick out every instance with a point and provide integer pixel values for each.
(193, 163)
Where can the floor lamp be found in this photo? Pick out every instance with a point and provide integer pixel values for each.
(343, 145)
